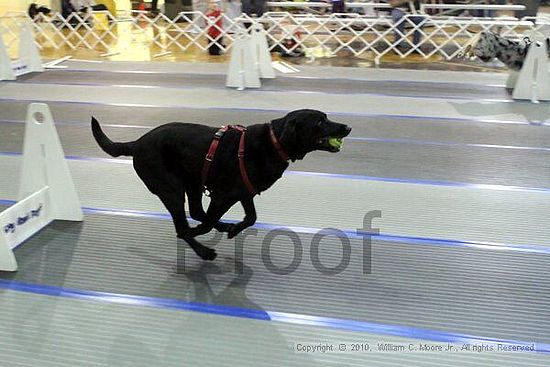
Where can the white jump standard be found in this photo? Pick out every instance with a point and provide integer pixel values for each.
(250, 59)
(527, 60)
(46, 188)
(29, 58)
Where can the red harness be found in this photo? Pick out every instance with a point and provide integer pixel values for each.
(240, 155)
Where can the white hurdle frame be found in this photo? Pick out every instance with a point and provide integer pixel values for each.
(250, 59)
(29, 60)
(46, 189)
(532, 82)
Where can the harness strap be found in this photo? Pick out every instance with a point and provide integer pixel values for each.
(277, 145)
(211, 153)
(242, 166)
(240, 155)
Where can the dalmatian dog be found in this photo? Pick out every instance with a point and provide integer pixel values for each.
(488, 45)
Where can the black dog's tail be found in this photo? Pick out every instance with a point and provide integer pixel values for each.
(108, 146)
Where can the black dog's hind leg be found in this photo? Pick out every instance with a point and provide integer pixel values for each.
(176, 206)
(175, 203)
(249, 218)
(171, 191)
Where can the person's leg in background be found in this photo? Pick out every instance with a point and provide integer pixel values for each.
(338, 6)
(67, 8)
(531, 8)
(493, 13)
(246, 6)
(259, 7)
(397, 17)
(154, 7)
(417, 34)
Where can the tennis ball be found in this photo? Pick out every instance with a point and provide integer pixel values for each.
(336, 142)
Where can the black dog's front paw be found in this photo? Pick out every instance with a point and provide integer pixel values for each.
(207, 254)
(223, 227)
(233, 231)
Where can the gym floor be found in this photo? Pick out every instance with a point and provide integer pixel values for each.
(458, 171)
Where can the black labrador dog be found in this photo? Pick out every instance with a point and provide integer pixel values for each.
(170, 161)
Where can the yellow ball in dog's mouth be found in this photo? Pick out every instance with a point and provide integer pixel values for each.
(336, 142)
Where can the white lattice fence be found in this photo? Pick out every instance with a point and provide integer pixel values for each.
(90, 31)
(335, 33)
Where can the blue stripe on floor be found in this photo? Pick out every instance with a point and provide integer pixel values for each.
(421, 182)
(283, 317)
(357, 234)
(466, 185)
(283, 111)
(351, 138)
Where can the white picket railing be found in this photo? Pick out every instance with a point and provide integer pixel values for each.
(350, 33)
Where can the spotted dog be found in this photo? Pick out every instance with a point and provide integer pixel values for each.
(488, 45)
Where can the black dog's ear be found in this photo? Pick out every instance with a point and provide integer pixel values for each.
(289, 131)
(286, 129)
(288, 135)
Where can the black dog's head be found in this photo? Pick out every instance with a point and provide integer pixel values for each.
(304, 131)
